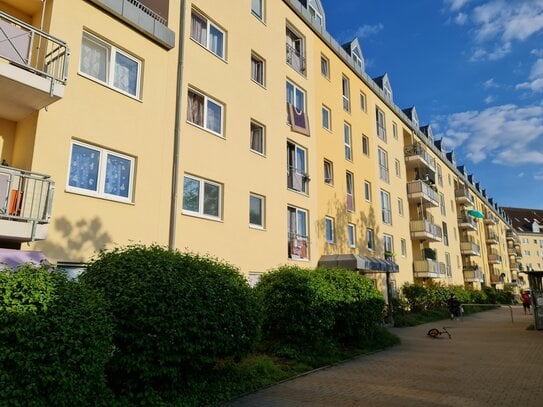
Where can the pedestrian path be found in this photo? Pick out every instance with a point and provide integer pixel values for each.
(488, 362)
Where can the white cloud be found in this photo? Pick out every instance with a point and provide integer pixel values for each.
(499, 52)
(489, 99)
(461, 18)
(490, 83)
(456, 5)
(537, 52)
(368, 30)
(508, 134)
(520, 175)
(538, 177)
(536, 76)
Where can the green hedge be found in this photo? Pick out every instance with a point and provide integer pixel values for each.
(175, 315)
(55, 339)
(311, 309)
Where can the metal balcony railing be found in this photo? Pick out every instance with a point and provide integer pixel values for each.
(463, 195)
(417, 150)
(148, 11)
(383, 173)
(420, 189)
(297, 180)
(429, 268)
(295, 59)
(425, 229)
(25, 196)
(24, 45)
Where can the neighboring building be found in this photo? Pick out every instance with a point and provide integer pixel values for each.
(287, 155)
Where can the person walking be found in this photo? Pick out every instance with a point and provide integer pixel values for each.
(454, 306)
(526, 301)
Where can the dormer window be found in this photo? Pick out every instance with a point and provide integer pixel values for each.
(357, 57)
(316, 12)
(415, 120)
(315, 15)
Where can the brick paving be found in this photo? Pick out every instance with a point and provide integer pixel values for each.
(488, 362)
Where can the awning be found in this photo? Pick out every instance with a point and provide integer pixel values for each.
(476, 214)
(11, 258)
(357, 262)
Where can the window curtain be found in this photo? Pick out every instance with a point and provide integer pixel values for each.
(84, 168)
(118, 172)
(126, 74)
(94, 59)
(214, 117)
(195, 108)
(216, 41)
(198, 29)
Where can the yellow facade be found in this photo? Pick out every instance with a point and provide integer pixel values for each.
(283, 157)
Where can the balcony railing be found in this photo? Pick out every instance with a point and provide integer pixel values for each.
(494, 258)
(383, 173)
(36, 51)
(295, 59)
(470, 248)
(463, 196)
(467, 222)
(492, 238)
(298, 247)
(420, 192)
(417, 155)
(472, 273)
(429, 269)
(297, 180)
(26, 199)
(490, 219)
(423, 229)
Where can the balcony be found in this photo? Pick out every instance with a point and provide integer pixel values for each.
(26, 199)
(463, 196)
(472, 273)
(490, 219)
(511, 235)
(494, 258)
(425, 230)
(297, 180)
(429, 269)
(470, 248)
(33, 68)
(420, 192)
(467, 222)
(417, 156)
(295, 59)
(492, 238)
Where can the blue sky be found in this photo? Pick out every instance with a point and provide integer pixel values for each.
(474, 71)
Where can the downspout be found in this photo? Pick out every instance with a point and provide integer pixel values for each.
(177, 130)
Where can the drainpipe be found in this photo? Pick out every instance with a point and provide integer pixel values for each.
(177, 130)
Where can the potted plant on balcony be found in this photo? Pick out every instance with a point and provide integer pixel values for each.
(429, 253)
(389, 255)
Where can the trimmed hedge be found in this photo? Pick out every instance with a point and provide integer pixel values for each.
(175, 315)
(311, 309)
(55, 339)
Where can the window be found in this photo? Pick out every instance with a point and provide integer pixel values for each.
(205, 112)
(207, 34)
(325, 67)
(315, 15)
(385, 208)
(295, 96)
(295, 50)
(363, 103)
(449, 178)
(257, 69)
(403, 245)
(370, 239)
(111, 66)
(256, 211)
(381, 127)
(445, 234)
(201, 197)
(448, 264)
(347, 141)
(439, 175)
(442, 204)
(257, 8)
(346, 93)
(350, 191)
(326, 118)
(329, 229)
(101, 173)
(258, 138)
(365, 145)
(297, 178)
(367, 191)
(351, 235)
(328, 172)
(398, 168)
(395, 130)
(297, 233)
(383, 164)
(388, 244)
(400, 206)
(254, 278)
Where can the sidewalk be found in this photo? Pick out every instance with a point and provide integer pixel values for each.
(488, 362)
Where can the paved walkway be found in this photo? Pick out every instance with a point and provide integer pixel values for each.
(488, 362)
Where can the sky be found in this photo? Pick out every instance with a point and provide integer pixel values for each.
(474, 71)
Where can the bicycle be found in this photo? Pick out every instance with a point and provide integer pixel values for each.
(434, 332)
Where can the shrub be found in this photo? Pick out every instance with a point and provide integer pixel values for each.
(55, 339)
(312, 310)
(175, 315)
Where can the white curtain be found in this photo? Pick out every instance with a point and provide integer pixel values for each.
(94, 59)
(198, 29)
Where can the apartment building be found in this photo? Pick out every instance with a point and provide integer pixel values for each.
(176, 122)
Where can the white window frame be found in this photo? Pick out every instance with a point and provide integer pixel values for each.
(112, 52)
(367, 191)
(398, 168)
(297, 167)
(386, 211)
(295, 45)
(325, 66)
(258, 75)
(365, 145)
(329, 230)
(383, 165)
(380, 119)
(346, 93)
(262, 9)
(201, 197)
(442, 206)
(370, 238)
(101, 176)
(253, 278)
(326, 112)
(207, 45)
(292, 97)
(298, 227)
(349, 188)
(347, 139)
(363, 102)
(395, 130)
(262, 201)
(351, 235)
(255, 124)
(388, 243)
(207, 100)
(328, 172)
(403, 246)
(400, 207)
